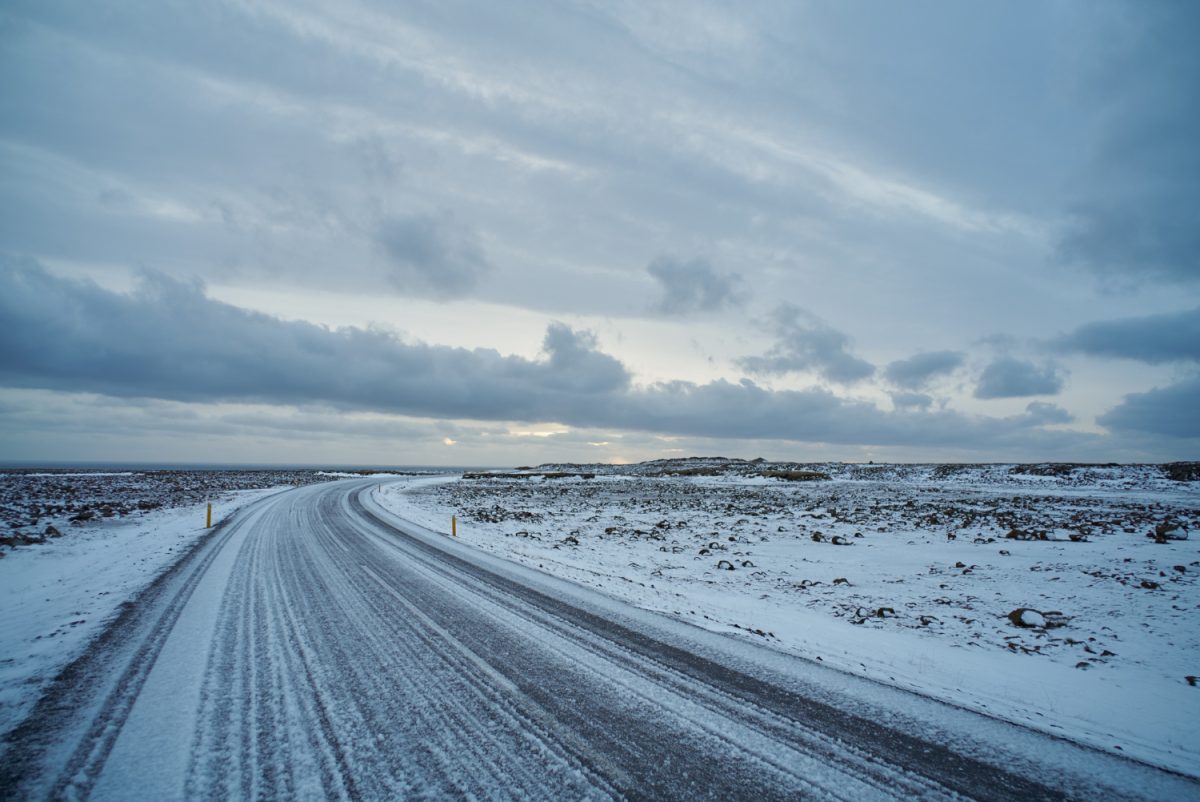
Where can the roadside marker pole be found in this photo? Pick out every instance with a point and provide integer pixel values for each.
(208, 520)
(454, 526)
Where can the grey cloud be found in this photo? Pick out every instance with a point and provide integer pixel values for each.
(379, 165)
(167, 340)
(432, 255)
(577, 365)
(1169, 411)
(1008, 377)
(694, 286)
(918, 370)
(1137, 214)
(804, 342)
(911, 400)
(1130, 238)
(566, 141)
(1154, 339)
(1047, 413)
(746, 410)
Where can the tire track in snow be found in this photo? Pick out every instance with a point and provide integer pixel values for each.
(355, 653)
(761, 733)
(897, 753)
(351, 660)
(586, 649)
(60, 750)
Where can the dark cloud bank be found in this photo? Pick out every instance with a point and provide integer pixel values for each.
(1153, 339)
(1172, 411)
(1008, 377)
(805, 343)
(168, 340)
(1172, 338)
(694, 286)
(1136, 216)
(431, 255)
(918, 370)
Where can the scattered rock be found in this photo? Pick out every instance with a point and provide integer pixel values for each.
(796, 476)
(1168, 530)
(725, 565)
(1182, 471)
(1028, 618)
(1021, 534)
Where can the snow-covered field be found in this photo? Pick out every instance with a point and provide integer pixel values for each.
(58, 594)
(39, 505)
(909, 575)
(1065, 599)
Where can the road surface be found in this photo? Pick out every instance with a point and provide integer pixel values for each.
(314, 646)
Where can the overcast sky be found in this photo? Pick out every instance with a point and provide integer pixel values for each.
(499, 233)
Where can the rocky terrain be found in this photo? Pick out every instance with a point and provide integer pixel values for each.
(36, 505)
(986, 554)
(1003, 474)
(1040, 592)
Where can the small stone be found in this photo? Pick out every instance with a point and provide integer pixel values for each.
(1027, 618)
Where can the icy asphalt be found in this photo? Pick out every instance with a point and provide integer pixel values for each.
(315, 646)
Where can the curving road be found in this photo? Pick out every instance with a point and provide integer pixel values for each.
(316, 647)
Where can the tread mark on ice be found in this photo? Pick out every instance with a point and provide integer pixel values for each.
(501, 680)
(610, 771)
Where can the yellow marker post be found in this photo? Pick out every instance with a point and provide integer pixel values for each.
(208, 521)
(454, 525)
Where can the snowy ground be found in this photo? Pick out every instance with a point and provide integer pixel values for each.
(39, 505)
(57, 595)
(903, 575)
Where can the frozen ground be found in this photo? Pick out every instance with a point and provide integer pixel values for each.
(316, 647)
(57, 595)
(906, 574)
(39, 505)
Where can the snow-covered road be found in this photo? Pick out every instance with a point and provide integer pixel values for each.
(315, 646)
